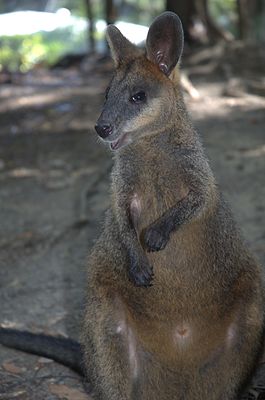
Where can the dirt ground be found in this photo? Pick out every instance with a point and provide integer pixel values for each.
(54, 180)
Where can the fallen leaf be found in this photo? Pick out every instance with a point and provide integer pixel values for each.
(12, 368)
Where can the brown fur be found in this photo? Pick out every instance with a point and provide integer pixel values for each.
(197, 331)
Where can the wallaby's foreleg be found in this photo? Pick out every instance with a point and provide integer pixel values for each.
(157, 235)
(140, 270)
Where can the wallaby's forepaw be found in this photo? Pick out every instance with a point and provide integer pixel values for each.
(141, 272)
(155, 239)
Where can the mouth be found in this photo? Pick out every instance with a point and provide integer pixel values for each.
(120, 142)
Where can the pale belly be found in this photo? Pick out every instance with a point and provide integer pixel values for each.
(177, 343)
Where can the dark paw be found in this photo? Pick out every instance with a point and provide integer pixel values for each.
(141, 272)
(155, 239)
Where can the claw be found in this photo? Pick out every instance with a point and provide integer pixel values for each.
(155, 240)
(141, 272)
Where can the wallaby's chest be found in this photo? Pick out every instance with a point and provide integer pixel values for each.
(152, 193)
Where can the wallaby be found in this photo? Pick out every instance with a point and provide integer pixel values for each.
(188, 324)
(174, 299)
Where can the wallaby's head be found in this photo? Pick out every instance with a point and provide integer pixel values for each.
(141, 95)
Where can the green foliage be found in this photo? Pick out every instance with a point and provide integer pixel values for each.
(22, 52)
(140, 11)
(225, 13)
(219, 7)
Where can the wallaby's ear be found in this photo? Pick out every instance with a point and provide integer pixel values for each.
(164, 43)
(121, 48)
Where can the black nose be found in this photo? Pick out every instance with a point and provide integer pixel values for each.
(103, 130)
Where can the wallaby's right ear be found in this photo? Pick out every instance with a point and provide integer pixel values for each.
(122, 50)
(164, 43)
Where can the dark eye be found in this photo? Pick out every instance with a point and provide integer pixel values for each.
(138, 97)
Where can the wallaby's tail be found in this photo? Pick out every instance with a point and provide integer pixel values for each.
(62, 350)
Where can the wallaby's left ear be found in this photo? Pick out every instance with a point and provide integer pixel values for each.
(164, 43)
(122, 50)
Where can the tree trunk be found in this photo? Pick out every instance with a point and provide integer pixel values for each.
(110, 17)
(214, 32)
(189, 11)
(91, 31)
(110, 14)
(250, 19)
(186, 11)
(243, 19)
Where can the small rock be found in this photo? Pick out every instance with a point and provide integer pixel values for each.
(44, 360)
(67, 393)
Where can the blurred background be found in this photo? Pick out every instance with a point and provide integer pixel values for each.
(39, 33)
(54, 173)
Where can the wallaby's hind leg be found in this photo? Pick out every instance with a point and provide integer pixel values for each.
(106, 354)
(108, 342)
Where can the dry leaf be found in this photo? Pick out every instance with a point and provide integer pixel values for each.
(12, 368)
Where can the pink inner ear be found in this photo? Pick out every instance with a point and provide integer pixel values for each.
(164, 42)
(163, 67)
(159, 56)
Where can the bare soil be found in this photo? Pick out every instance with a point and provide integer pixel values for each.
(54, 180)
